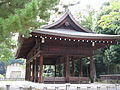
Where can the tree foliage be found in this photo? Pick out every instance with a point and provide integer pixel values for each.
(113, 54)
(21, 16)
(6, 50)
(87, 19)
(108, 23)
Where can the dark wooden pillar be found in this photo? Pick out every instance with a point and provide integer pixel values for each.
(64, 71)
(72, 68)
(55, 71)
(59, 71)
(81, 68)
(41, 68)
(26, 74)
(28, 71)
(36, 70)
(31, 70)
(92, 70)
(67, 69)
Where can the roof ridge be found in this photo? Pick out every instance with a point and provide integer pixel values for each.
(67, 13)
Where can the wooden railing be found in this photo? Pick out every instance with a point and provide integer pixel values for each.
(79, 79)
(54, 80)
(63, 79)
(111, 78)
(12, 79)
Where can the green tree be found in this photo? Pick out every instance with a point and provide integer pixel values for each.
(6, 50)
(21, 16)
(108, 23)
(87, 19)
(105, 22)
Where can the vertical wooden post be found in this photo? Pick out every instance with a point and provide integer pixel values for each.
(36, 71)
(67, 69)
(92, 70)
(28, 71)
(33, 70)
(26, 74)
(64, 71)
(72, 68)
(55, 71)
(81, 68)
(59, 69)
(41, 67)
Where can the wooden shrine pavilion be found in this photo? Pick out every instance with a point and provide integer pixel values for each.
(61, 43)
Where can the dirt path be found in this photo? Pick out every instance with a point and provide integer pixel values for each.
(24, 85)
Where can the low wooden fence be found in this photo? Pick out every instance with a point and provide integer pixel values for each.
(62, 79)
(66, 87)
(12, 79)
(112, 78)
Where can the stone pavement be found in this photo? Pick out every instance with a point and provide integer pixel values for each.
(26, 85)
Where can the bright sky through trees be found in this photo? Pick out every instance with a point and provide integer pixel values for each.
(82, 3)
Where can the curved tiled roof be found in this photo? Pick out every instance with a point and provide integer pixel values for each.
(73, 34)
(67, 14)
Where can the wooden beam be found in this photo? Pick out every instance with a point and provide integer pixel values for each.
(66, 52)
(41, 68)
(49, 61)
(67, 49)
(33, 51)
(34, 56)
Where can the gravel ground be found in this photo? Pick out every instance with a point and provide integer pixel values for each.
(26, 85)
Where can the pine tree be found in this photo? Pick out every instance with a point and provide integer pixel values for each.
(21, 16)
